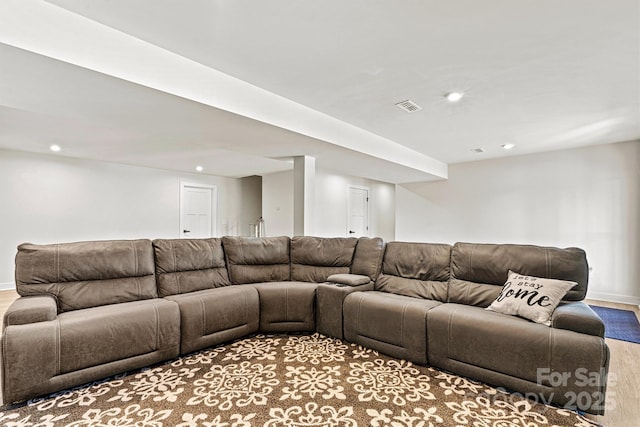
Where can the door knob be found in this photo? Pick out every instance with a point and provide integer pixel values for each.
(352, 232)
(186, 231)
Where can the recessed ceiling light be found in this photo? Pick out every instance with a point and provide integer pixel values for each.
(508, 146)
(55, 148)
(453, 96)
(199, 168)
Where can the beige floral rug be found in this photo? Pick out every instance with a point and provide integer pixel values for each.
(287, 380)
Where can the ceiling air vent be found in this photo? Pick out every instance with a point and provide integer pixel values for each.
(409, 106)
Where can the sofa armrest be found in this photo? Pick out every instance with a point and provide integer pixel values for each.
(349, 279)
(34, 309)
(577, 316)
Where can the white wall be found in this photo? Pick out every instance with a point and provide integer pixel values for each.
(587, 197)
(277, 203)
(251, 208)
(331, 198)
(50, 199)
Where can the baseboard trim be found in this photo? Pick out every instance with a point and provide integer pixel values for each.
(622, 299)
(7, 286)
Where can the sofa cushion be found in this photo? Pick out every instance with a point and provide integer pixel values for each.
(256, 260)
(87, 274)
(313, 259)
(287, 306)
(393, 324)
(367, 258)
(517, 354)
(533, 298)
(99, 335)
(478, 271)
(419, 270)
(189, 265)
(214, 316)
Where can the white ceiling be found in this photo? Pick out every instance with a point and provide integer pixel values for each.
(238, 86)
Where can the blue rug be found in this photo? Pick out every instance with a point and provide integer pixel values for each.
(619, 324)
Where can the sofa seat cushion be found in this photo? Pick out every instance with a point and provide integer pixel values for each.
(393, 324)
(287, 306)
(467, 335)
(99, 335)
(214, 316)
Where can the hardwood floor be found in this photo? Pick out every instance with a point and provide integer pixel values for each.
(623, 389)
(623, 386)
(6, 298)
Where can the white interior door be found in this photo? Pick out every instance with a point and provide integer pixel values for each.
(358, 212)
(197, 211)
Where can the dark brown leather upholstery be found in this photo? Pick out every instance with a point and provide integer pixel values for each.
(107, 318)
(287, 306)
(214, 316)
(193, 274)
(518, 354)
(577, 316)
(313, 259)
(418, 270)
(189, 265)
(393, 319)
(367, 259)
(31, 310)
(392, 324)
(256, 260)
(85, 345)
(329, 304)
(100, 335)
(478, 271)
(87, 274)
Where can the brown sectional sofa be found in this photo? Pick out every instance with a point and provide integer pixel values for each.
(93, 309)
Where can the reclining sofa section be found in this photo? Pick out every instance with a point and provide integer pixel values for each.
(93, 309)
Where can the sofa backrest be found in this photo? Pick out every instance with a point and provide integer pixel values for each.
(189, 265)
(253, 260)
(313, 259)
(367, 259)
(478, 271)
(419, 270)
(87, 274)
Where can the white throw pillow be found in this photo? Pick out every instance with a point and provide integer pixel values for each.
(533, 298)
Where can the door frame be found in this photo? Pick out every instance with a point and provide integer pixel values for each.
(214, 206)
(368, 224)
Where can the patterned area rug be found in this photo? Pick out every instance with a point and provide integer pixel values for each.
(287, 380)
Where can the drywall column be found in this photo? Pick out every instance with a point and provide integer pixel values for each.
(304, 182)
